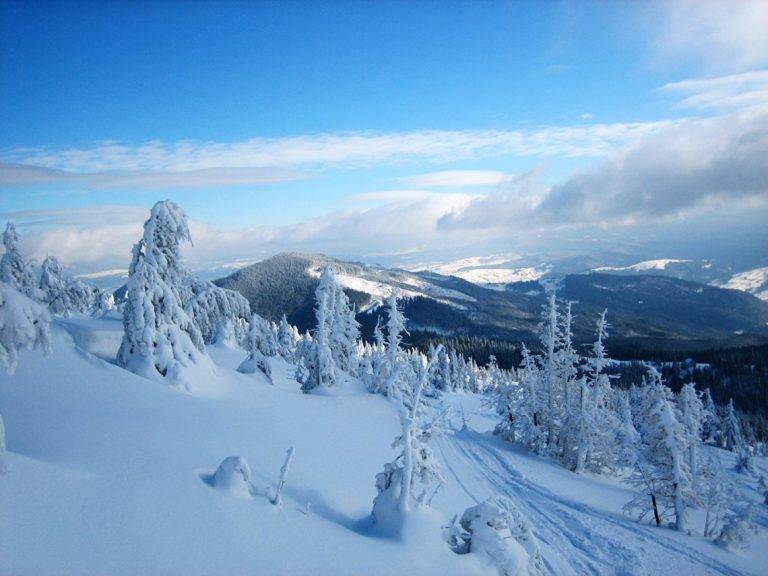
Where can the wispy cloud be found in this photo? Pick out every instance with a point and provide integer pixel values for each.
(458, 179)
(720, 92)
(21, 174)
(157, 164)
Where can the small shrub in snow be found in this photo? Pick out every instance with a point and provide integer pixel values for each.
(233, 477)
(496, 530)
(737, 527)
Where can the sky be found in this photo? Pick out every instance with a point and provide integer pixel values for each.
(396, 132)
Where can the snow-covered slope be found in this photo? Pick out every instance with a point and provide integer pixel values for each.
(644, 266)
(111, 474)
(753, 281)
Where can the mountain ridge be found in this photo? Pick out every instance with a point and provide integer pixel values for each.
(652, 311)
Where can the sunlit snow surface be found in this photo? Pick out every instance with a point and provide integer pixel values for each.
(111, 474)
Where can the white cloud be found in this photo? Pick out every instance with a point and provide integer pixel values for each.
(458, 179)
(721, 35)
(185, 163)
(398, 196)
(697, 163)
(721, 92)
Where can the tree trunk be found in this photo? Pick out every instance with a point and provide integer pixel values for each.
(655, 510)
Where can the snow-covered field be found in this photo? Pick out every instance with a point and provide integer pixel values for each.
(110, 473)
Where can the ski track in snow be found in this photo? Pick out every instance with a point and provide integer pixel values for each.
(575, 538)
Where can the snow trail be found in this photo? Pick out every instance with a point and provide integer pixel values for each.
(575, 538)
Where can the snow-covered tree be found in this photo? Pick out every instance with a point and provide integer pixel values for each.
(65, 295)
(345, 331)
(318, 368)
(691, 414)
(710, 426)
(14, 269)
(213, 308)
(287, 338)
(732, 439)
(261, 345)
(389, 362)
(24, 325)
(549, 373)
(528, 412)
(596, 425)
(160, 338)
(396, 485)
(628, 439)
(662, 470)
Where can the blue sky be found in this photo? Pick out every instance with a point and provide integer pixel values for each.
(277, 120)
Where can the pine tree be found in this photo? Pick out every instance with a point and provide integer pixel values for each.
(14, 269)
(261, 345)
(160, 339)
(549, 375)
(691, 414)
(732, 438)
(711, 423)
(213, 308)
(662, 471)
(628, 439)
(287, 338)
(319, 368)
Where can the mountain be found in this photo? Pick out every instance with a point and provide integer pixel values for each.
(499, 270)
(645, 310)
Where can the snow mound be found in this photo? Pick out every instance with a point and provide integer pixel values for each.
(233, 477)
(497, 532)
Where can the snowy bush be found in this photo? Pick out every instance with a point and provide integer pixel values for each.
(496, 531)
(233, 477)
(24, 324)
(738, 524)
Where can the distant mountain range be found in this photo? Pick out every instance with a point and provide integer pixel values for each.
(647, 310)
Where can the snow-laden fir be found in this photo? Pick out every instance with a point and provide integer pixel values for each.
(180, 434)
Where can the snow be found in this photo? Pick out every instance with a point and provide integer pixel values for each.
(754, 281)
(644, 266)
(381, 289)
(122, 272)
(501, 275)
(488, 270)
(112, 473)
